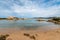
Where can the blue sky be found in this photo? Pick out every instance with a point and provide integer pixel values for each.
(29, 8)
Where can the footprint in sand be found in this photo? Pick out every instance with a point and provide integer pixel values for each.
(8, 39)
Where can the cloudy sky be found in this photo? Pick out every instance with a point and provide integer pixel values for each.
(29, 8)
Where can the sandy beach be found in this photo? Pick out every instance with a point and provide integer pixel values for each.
(31, 34)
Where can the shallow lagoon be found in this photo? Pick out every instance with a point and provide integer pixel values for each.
(27, 24)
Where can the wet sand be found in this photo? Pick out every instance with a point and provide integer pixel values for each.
(15, 34)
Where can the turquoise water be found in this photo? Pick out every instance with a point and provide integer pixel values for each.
(27, 24)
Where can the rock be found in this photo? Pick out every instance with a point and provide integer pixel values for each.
(3, 37)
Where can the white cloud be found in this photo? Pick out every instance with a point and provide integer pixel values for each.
(34, 8)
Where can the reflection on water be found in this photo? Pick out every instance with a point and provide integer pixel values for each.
(27, 24)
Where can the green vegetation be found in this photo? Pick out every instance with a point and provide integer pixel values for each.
(3, 18)
(56, 19)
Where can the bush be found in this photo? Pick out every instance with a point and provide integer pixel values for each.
(56, 19)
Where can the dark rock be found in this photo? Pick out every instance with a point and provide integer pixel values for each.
(33, 37)
(3, 37)
(25, 34)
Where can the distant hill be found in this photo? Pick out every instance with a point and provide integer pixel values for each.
(3, 18)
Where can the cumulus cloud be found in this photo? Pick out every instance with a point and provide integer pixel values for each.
(30, 8)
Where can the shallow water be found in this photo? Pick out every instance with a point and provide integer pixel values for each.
(27, 24)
